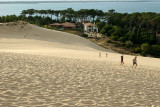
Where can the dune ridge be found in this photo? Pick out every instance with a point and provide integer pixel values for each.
(42, 67)
(24, 30)
(26, 38)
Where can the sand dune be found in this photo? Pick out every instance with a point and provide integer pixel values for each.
(41, 67)
(32, 80)
(55, 38)
(30, 39)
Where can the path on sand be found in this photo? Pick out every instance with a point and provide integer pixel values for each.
(32, 80)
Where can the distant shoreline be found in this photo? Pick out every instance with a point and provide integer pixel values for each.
(36, 2)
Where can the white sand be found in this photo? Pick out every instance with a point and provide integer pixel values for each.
(41, 67)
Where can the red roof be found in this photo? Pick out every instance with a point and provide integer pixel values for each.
(68, 24)
(56, 24)
(65, 25)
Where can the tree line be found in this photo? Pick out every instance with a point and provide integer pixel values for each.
(136, 30)
(66, 15)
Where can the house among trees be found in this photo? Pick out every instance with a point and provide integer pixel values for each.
(91, 30)
(89, 27)
(66, 25)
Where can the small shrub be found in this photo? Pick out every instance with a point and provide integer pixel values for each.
(145, 47)
(129, 44)
(122, 39)
(55, 28)
(114, 38)
(103, 31)
(46, 26)
(31, 22)
(137, 50)
(143, 53)
(49, 27)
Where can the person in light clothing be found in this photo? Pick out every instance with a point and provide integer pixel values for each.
(135, 62)
(100, 54)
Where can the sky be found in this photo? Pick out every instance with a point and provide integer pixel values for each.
(80, 0)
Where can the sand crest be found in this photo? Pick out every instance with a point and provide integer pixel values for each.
(41, 67)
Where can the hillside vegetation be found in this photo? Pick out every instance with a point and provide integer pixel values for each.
(135, 31)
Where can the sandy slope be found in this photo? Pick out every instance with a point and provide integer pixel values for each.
(27, 38)
(32, 80)
(40, 67)
(44, 37)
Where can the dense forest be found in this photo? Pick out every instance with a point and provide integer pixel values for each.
(137, 30)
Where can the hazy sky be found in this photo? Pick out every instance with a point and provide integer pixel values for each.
(80, 0)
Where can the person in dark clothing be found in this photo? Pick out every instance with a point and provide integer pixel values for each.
(122, 62)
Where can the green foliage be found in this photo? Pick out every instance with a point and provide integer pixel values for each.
(129, 44)
(153, 39)
(110, 30)
(11, 18)
(107, 30)
(50, 27)
(117, 31)
(100, 25)
(122, 39)
(114, 37)
(23, 18)
(155, 50)
(46, 26)
(143, 53)
(145, 48)
(137, 50)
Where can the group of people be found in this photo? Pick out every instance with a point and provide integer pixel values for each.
(100, 55)
(122, 61)
(134, 61)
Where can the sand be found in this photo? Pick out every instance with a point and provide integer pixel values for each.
(41, 67)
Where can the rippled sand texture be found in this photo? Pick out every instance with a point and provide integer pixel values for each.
(32, 80)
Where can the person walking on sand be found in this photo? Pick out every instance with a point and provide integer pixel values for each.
(122, 62)
(100, 54)
(106, 55)
(135, 62)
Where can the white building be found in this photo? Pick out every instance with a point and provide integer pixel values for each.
(89, 27)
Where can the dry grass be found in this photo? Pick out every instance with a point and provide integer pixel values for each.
(114, 45)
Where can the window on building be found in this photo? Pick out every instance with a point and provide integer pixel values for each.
(95, 30)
